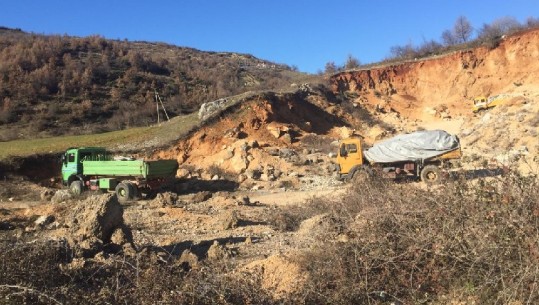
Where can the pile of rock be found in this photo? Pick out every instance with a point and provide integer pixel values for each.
(96, 224)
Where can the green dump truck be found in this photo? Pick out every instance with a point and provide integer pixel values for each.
(93, 168)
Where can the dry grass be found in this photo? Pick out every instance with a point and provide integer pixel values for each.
(126, 140)
(467, 240)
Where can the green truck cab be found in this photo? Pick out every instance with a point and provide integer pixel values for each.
(93, 168)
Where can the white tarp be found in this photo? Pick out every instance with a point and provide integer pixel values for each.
(414, 146)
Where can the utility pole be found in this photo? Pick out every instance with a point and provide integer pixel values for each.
(157, 102)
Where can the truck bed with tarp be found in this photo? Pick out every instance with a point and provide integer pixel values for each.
(418, 146)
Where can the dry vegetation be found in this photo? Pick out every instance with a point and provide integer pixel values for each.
(466, 241)
(460, 37)
(57, 85)
(463, 241)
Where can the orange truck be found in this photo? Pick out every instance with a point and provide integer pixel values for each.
(422, 154)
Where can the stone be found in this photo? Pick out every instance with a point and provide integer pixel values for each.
(229, 154)
(201, 196)
(210, 109)
(230, 220)
(183, 173)
(275, 131)
(217, 251)
(188, 260)
(287, 153)
(61, 196)
(307, 126)
(46, 195)
(44, 220)
(273, 151)
(253, 174)
(287, 138)
(97, 217)
(242, 178)
(163, 199)
(122, 236)
(239, 164)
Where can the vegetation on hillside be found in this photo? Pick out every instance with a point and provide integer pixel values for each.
(55, 85)
(461, 36)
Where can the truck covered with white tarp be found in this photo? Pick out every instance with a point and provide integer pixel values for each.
(422, 154)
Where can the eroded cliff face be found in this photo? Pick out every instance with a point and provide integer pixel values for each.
(451, 80)
(437, 93)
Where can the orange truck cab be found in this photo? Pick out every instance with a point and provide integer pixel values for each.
(350, 156)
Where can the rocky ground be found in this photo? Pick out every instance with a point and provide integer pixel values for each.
(244, 225)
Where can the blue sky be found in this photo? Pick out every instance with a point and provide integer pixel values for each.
(301, 33)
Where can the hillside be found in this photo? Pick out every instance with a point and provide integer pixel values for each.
(437, 93)
(61, 85)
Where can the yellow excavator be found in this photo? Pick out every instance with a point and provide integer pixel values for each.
(483, 103)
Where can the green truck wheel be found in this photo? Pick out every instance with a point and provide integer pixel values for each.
(76, 187)
(125, 192)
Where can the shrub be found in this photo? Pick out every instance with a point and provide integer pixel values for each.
(466, 238)
(47, 273)
(318, 143)
(216, 170)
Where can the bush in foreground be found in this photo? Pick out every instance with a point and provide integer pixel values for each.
(467, 240)
(464, 241)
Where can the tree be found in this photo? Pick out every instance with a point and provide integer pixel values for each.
(462, 30)
(506, 25)
(498, 28)
(330, 67)
(351, 63)
(403, 52)
(448, 38)
(532, 22)
(428, 48)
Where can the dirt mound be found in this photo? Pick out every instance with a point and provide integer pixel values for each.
(279, 275)
(317, 225)
(246, 144)
(36, 168)
(17, 188)
(513, 126)
(97, 222)
(164, 199)
(240, 144)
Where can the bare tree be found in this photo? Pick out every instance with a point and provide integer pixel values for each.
(330, 68)
(532, 22)
(498, 28)
(403, 52)
(449, 38)
(351, 62)
(463, 29)
(428, 48)
(506, 25)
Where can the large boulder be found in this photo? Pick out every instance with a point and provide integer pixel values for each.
(61, 196)
(208, 110)
(92, 223)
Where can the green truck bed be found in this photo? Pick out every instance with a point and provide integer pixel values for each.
(131, 168)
